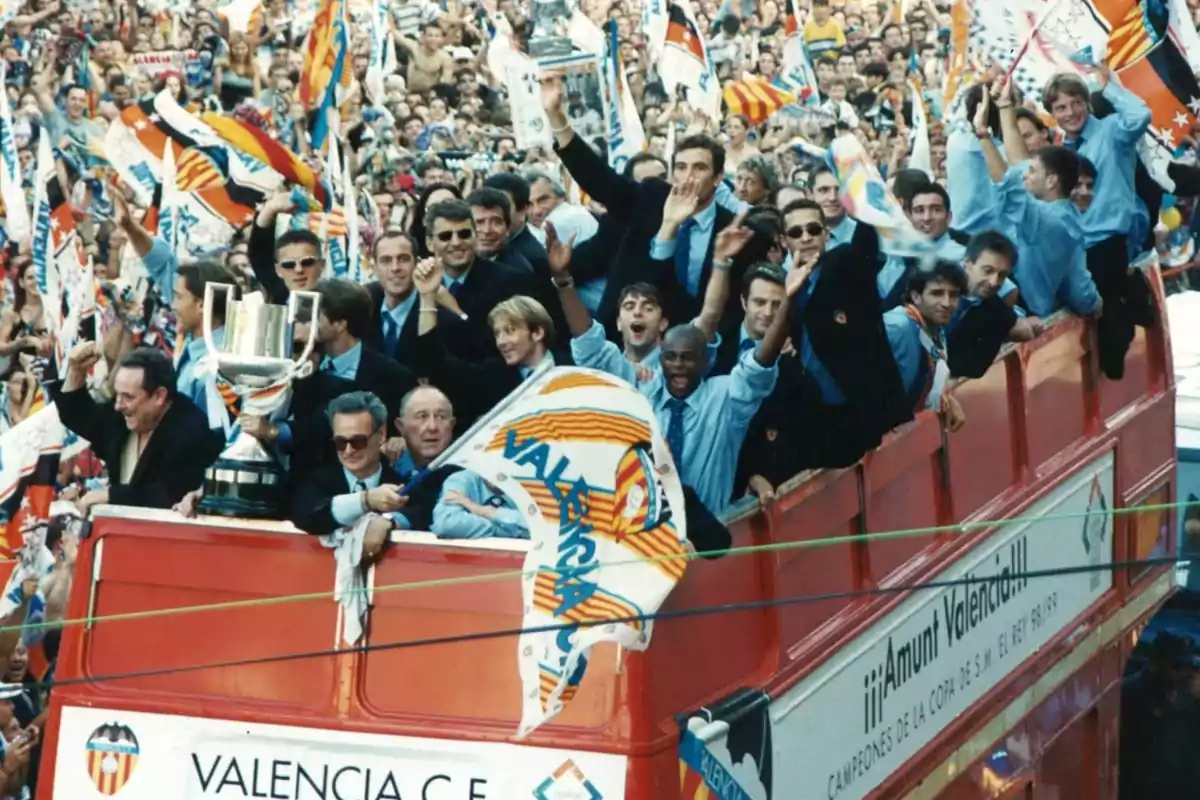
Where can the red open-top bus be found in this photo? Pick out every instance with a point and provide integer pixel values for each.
(999, 688)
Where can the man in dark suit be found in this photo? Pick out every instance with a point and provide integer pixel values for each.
(837, 328)
(393, 329)
(155, 442)
(339, 495)
(477, 284)
(683, 238)
(492, 211)
(290, 263)
(520, 240)
(344, 320)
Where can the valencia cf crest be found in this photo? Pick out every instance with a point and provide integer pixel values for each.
(112, 756)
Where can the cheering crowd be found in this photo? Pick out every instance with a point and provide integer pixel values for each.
(717, 269)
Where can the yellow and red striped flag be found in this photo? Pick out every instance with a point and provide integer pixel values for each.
(756, 99)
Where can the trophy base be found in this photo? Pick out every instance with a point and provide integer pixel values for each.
(551, 47)
(243, 489)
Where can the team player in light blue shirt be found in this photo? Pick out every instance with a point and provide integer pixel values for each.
(1035, 201)
(1111, 145)
(705, 420)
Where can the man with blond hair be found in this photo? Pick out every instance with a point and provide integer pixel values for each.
(524, 335)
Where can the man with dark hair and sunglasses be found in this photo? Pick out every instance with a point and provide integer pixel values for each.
(291, 262)
(853, 395)
(477, 284)
(337, 495)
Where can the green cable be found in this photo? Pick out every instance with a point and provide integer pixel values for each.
(960, 528)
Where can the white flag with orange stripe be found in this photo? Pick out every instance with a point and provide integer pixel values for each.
(581, 455)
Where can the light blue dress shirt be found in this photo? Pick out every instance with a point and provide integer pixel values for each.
(895, 268)
(726, 199)
(346, 365)
(451, 521)
(715, 422)
(1052, 268)
(187, 382)
(974, 200)
(904, 337)
(400, 313)
(348, 508)
(161, 265)
(1111, 144)
(527, 371)
(699, 237)
(450, 282)
(841, 233)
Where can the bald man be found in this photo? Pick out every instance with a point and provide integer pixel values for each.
(426, 425)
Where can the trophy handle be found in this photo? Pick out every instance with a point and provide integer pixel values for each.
(210, 294)
(314, 299)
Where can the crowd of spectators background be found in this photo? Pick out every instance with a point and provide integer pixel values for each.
(767, 327)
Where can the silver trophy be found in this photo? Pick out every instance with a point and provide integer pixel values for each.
(549, 38)
(256, 361)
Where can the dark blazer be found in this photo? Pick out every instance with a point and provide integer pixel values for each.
(843, 323)
(312, 500)
(974, 340)
(537, 284)
(515, 260)
(405, 347)
(474, 387)
(173, 463)
(386, 379)
(638, 208)
(487, 284)
(260, 250)
(424, 496)
(311, 432)
(593, 258)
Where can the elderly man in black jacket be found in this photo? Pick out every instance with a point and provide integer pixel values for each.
(155, 442)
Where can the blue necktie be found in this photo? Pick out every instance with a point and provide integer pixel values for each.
(683, 255)
(675, 431)
(1073, 144)
(391, 334)
(747, 344)
(454, 287)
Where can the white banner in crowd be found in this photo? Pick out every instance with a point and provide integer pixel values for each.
(581, 455)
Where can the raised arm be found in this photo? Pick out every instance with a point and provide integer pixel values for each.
(1133, 116)
(1014, 143)
(617, 193)
(558, 255)
(996, 166)
(729, 243)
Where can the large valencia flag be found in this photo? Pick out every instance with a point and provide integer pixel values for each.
(608, 522)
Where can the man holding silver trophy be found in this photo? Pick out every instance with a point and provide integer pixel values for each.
(254, 363)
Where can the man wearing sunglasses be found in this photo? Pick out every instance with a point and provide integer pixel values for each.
(360, 483)
(477, 284)
(292, 262)
(854, 395)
